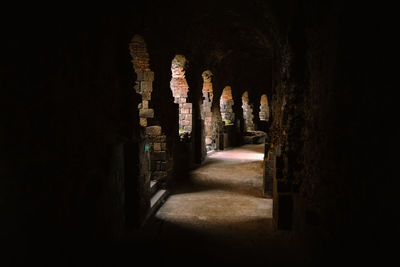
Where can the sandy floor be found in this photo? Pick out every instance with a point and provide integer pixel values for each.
(217, 217)
(223, 196)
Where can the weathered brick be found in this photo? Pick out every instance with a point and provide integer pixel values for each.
(159, 138)
(187, 105)
(157, 146)
(145, 75)
(188, 117)
(153, 130)
(143, 122)
(146, 86)
(146, 95)
(146, 113)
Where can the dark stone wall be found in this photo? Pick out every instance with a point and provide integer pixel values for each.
(70, 109)
(324, 118)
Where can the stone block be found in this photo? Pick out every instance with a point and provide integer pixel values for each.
(146, 95)
(145, 104)
(146, 86)
(143, 122)
(145, 75)
(137, 87)
(139, 74)
(153, 130)
(185, 111)
(188, 117)
(149, 76)
(146, 113)
(187, 105)
(157, 146)
(161, 138)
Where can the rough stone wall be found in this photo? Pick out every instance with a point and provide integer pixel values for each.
(317, 121)
(72, 111)
(159, 165)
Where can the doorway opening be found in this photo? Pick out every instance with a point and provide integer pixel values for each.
(206, 113)
(247, 112)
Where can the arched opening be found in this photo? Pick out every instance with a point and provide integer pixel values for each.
(264, 108)
(206, 113)
(226, 103)
(247, 112)
(226, 138)
(180, 89)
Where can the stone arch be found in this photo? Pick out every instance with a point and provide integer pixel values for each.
(206, 113)
(226, 103)
(180, 89)
(264, 108)
(247, 112)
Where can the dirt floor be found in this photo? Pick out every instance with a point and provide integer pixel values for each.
(217, 217)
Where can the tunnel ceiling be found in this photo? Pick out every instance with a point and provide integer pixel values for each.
(232, 39)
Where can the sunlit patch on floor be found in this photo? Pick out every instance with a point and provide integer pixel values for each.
(223, 196)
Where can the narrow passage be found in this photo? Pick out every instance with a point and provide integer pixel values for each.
(218, 216)
(223, 196)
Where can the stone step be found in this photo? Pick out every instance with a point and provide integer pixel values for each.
(154, 186)
(157, 199)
